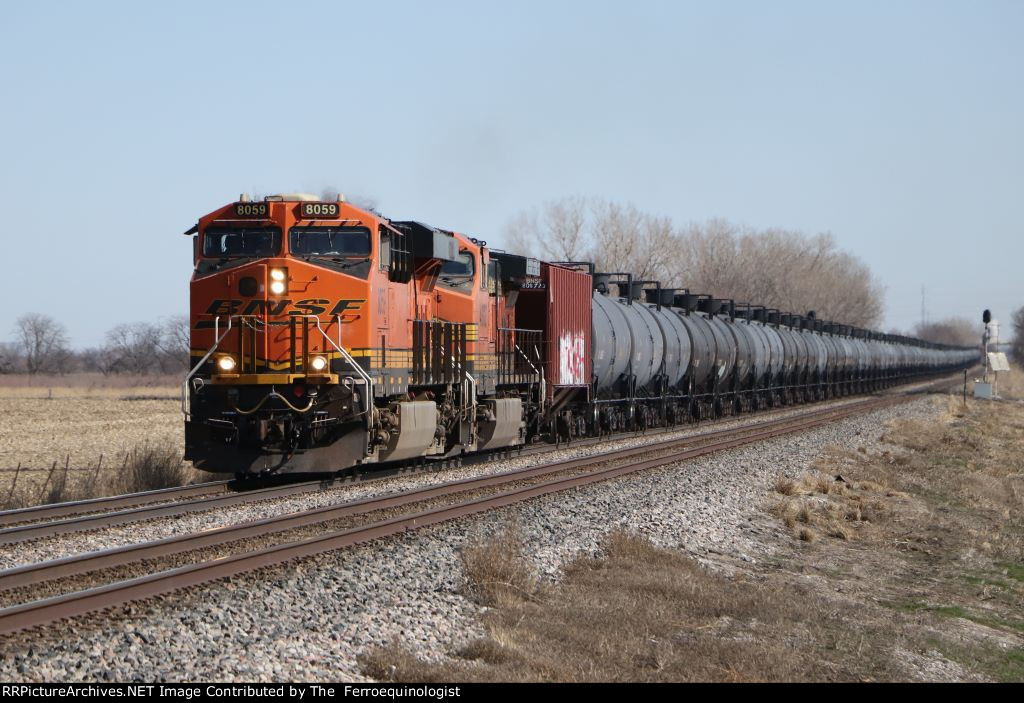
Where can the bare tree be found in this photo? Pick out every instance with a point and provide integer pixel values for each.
(133, 348)
(10, 358)
(626, 239)
(93, 360)
(43, 343)
(556, 231)
(1018, 335)
(614, 236)
(957, 331)
(775, 267)
(143, 348)
(175, 344)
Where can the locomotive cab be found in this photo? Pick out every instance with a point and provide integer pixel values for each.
(325, 336)
(283, 332)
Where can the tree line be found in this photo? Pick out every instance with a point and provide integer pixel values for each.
(958, 331)
(1018, 335)
(40, 345)
(776, 267)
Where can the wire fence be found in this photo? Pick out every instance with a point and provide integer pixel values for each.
(56, 479)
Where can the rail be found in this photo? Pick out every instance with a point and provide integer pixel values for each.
(553, 478)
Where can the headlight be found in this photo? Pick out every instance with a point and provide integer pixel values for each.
(318, 363)
(279, 281)
(226, 364)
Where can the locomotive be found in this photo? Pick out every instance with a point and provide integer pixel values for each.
(325, 336)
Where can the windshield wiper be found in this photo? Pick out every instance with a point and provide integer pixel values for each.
(346, 264)
(225, 259)
(456, 280)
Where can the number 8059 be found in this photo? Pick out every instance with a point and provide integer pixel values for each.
(320, 209)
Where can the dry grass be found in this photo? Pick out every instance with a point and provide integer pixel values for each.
(81, 440)
(88, 385)
(35, 433)
(150, 468)
(38, 432)
(497, 572)
(638, 613)
(938, 515)
(144, 468)
(837, 508)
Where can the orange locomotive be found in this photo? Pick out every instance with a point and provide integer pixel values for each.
(326, 336)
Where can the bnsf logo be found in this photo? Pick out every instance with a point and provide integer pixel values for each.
(312, 306)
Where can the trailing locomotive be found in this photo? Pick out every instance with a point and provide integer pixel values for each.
(326, 336)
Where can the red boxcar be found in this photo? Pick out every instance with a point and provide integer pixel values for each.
(559, 304)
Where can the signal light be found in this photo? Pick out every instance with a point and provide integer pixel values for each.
(318, 363)
(226, 364)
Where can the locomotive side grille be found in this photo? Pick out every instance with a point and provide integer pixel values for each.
(438, 352)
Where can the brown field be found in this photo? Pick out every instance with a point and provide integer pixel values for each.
(84, 422)
(77, 385)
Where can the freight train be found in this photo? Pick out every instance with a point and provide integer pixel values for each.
(325, 336)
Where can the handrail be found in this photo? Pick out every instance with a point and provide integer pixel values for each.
(185, 394)
(367, 379)
(468, 391)
(527, 359)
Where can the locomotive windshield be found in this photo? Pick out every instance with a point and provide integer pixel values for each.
(242, 241)
(459, 272)
(340, 242)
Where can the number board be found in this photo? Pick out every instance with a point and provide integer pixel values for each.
(319, 211)
(252, 210)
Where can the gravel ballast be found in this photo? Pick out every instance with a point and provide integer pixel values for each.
(310, 619)
(60, 546)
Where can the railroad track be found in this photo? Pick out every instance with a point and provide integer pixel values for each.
(394, 513)
(28, 524)
(94, 505)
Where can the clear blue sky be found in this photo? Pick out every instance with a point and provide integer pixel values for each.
(894, 125)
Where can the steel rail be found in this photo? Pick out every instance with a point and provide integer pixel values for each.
(120, 556)
(27, 615)
(80, 507)
(24, 533)
(93, 514)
